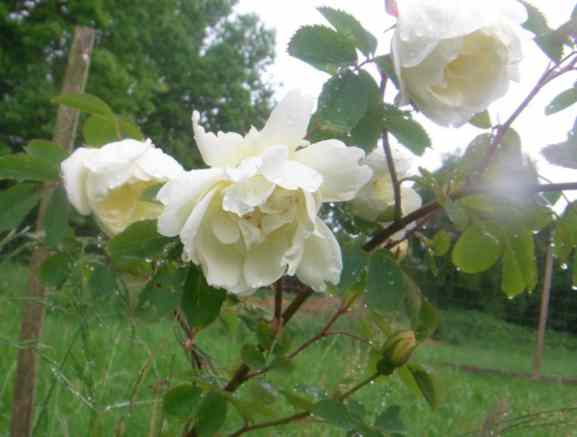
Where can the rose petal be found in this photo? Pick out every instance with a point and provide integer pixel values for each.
(288, 174)
(339, 166)
(180, 195)
(288, 122)
(321, 260)
(74, 175)
(264, 263)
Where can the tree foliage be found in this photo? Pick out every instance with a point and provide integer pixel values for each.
(154, 60)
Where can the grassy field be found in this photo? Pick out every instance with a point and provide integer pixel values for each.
(102, 375)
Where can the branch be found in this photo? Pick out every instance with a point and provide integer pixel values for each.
(390, 160)
(242, 374)
(383, 235)
(302, 415)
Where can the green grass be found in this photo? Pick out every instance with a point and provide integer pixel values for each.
(101, 374)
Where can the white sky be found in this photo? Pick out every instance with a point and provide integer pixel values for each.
(535, 128)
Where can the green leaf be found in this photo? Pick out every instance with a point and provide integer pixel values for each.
(98, 130)
(130, 130)
(56, 219)
(441, 243)
(163, 293)
(138, 242)
(428, 321)
(424, 381)
(457, 214)
(562, 154)
(211, 414)
(335, 413)
(386, 283)
(322, 48)
(552, 197)
(350, 27)
(200, 302)
(369, 128)
(182, 400)
(46, 150)
(301, 397)
(565, 237)
(102, 282)
(24, 167)
(390, 421)
(387, 67)
(562, 101)
(551, 43)
(407, 131)
(536, 22)
(343, 102)
(482, 120)
(519, 265)
(477, 250)
(85, 103)
(55, 270)
(15, 204)
(354, 266)
(252, 356)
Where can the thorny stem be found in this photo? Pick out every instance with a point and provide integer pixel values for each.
(302, 415)
(343, 309)
(431, 207)
(390, 161)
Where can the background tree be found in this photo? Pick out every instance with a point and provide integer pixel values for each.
(157, 61)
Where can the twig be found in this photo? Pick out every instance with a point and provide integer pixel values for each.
(302, 415)
(381, 236)
(390, 160)
(343, 309)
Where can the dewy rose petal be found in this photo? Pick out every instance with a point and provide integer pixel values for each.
(108, 182)
(252, 217)
(454, 58)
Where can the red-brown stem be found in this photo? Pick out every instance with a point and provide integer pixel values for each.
(343, 309)
(384, 234)
(390, 160)
(302, 415)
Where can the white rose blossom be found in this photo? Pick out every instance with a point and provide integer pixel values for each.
(109, 181)
(252, 217)
(377, 198)
(454, 57)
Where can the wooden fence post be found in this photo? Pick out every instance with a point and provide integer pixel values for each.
(33, 310)
(545, 294)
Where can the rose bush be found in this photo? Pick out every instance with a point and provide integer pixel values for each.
(108, 182)
(252, 216)
(454, 58)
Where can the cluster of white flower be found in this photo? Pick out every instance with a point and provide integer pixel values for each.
(252, 216)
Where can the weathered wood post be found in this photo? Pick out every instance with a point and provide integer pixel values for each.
(33, 304)
(545, 294)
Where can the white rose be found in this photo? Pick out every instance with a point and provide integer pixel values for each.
(377, 199)
(455, 57)
(252, 216)
(109, 181)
